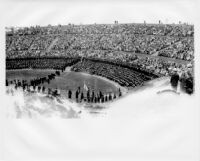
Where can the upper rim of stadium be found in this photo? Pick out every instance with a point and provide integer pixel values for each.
(183, 25)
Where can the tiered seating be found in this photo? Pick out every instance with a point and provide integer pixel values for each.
(137, 38)
(123, 76)
(137, 45)
(45, 63)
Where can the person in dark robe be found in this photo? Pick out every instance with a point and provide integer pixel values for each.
(95, 99)
(88, 95)
(69, 94)
(39, 88)
(6, 82)
(24, 87)
(110, 97)
(76, 95)
(102, 98)
(174, 80)
(43, 89)
(34, 87)
(82, 96)
(114, 97)
(189, 85)
(16, 86)
(106, 98)
(100, 94)
(120, 93)
(93, 95)
(18, 83)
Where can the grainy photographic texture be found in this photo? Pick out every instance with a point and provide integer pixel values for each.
(95, 65)
(99, 80)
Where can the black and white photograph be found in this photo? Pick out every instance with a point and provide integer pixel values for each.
(70, 70)
(110, 80)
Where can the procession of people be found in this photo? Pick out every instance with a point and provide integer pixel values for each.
(80, 95)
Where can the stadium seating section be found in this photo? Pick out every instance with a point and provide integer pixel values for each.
(121, 75)
(129, 54)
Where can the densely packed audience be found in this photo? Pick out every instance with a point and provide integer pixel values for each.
(180, 50)
(167, 40)
(45, 63)
(121, 75)
(149, 48)
(134, 28)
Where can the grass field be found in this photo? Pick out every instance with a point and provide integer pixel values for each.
(68, 80)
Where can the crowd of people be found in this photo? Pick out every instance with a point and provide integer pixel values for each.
(180, 50)
(185, 82)
(121, 75)
(91, 96)
(138, 46)
(37, 85)
(44, 63)
(134, 28)
(136, 38)
(161, 67)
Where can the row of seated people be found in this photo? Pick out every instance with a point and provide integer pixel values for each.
(153, 65)
(123, 76)
(120, 74)
(161, 67)
(131, 78)
(26, 46)
(45, 63)
(135, 28)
